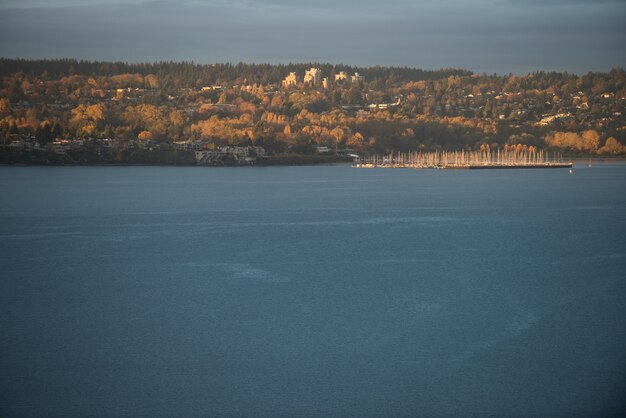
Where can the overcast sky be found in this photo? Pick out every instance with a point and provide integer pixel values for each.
(500, 36)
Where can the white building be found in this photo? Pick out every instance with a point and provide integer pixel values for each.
(290, 80)
(341, 76)
(313, 76)
(356, 78)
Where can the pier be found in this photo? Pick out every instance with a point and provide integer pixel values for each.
(483, 159)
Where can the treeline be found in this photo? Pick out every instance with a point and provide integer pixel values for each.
(395, 108)
(190, 74)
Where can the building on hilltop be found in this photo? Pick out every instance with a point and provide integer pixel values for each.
(290, 80)
(312, 76)
(341, 76)
(356, 78)
(325, 82)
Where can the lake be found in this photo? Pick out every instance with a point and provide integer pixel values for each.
(312, 291)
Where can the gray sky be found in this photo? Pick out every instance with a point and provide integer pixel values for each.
(501, 36)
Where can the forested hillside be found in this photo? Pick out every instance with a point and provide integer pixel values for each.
(364, 109)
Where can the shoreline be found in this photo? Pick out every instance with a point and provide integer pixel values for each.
(23, 160)
(281, 160)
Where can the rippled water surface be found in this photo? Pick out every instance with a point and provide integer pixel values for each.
(299, 291)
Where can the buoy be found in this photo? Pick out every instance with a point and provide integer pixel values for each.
(571, 171)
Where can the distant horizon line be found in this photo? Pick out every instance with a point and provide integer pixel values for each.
(297, 63)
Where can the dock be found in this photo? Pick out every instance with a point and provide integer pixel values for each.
(466, 160)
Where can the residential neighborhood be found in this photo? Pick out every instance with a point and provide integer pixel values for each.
(81, 112)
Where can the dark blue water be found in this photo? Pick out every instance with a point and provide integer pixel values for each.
(308, 291)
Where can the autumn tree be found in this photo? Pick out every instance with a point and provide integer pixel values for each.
(145, 136)
(86, 120)
(588, 141)
(612, 146)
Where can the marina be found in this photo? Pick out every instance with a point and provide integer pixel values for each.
(482, 159)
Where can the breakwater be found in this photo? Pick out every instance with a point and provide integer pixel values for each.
(483, 159)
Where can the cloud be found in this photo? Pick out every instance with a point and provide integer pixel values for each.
(427, 34)
(552, 3)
